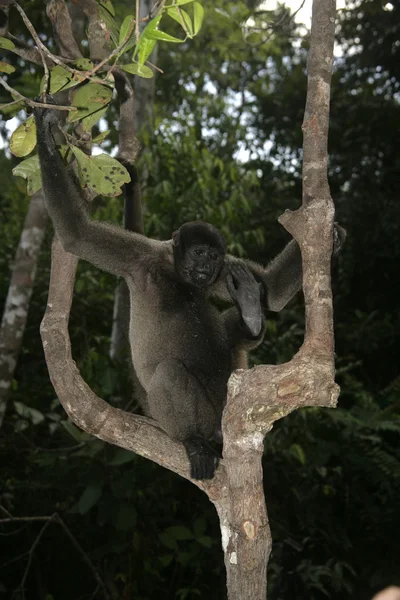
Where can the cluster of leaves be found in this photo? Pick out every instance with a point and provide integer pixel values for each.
(91, 100)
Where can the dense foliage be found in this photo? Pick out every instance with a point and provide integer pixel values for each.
(226, 147)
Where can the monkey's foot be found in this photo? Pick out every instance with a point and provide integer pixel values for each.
(203, 459)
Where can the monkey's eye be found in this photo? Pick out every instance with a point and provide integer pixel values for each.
(214, 256)
(198, 251)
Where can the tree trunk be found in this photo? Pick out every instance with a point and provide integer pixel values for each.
(19, 294)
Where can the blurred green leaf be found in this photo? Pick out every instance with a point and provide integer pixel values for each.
(6, 68)
(90, 497)
(29, 169)
(23, 140)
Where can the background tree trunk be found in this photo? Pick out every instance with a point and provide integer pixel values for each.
(19, 294)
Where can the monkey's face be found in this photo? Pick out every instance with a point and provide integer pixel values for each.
(200, 264)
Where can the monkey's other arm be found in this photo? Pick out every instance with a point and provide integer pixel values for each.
(106, 246)
(281, 279)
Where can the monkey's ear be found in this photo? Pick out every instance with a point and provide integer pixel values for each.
(176, 238)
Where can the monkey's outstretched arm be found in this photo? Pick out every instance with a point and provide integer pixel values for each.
(107, 246)
(281, 279)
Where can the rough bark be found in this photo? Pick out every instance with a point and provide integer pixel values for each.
(257, 398)
(19, 294)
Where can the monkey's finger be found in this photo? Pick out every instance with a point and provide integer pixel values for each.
(242, 272)
(230, 286)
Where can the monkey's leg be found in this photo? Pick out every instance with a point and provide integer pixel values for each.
(180, 405)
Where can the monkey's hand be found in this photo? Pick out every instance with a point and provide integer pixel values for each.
(246, 293)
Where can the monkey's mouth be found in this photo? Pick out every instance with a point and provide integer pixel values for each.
(201, 278)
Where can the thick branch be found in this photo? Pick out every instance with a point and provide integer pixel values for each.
(98, 34)
(316, 115)
(259, 397)
(57, 11)
(19, 294)
(312, 225)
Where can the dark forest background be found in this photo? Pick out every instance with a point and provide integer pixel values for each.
(225, 146)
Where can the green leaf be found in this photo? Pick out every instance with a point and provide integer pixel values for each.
(298, 452)
(128, 46)
(89, 98)
(85, 64)
(140, 70)
(6, 44)
(29, 169)
(6, 68)
(10, 111)
(146, 47)
(102, 173)
(145, 35)
(156, 34)
(114, 174)
(90, 497)
(106, 13)
(101, 137)
(75, 433)
(92, 119)
(179, 532)
(121, 457)
(61, 79)
(108, 5)
(205, 540)
(29, 413)
(181, 17)
(180, 2)
(170, 536)
(23, 140)
(198, 15)
(125, 28)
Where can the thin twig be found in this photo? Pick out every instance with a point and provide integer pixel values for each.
(155, 67)
(54, 57)
(30, 102)
(7, 512)
(39, 45)
(55, 518)
(23, 519)
(3, 106)
(137, 30)
(31, 553)
(84, 556)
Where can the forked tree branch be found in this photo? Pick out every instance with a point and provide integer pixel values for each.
(256, 398)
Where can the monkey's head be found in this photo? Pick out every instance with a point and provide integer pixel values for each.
(199, 252)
